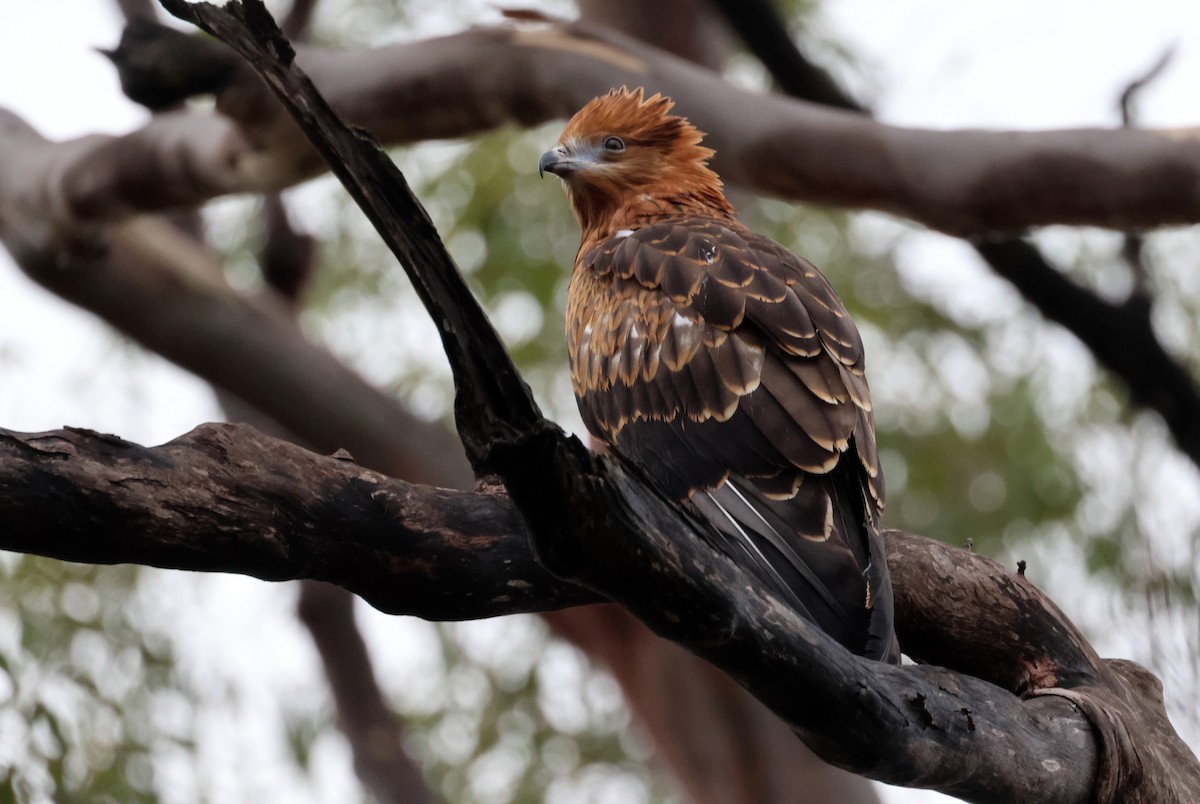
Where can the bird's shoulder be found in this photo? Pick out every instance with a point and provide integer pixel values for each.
(684, 323)
(717, 272)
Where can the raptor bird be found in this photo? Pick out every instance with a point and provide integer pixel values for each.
(723, 365)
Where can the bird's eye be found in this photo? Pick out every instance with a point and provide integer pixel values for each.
(614, 145)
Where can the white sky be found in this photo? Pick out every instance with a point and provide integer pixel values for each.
(940, 63)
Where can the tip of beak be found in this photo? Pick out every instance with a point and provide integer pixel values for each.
(547, 162)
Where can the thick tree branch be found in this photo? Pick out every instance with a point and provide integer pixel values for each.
(225, 498)
(967, 182)
(228, 499)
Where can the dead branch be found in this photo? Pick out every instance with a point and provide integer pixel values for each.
(225, 498)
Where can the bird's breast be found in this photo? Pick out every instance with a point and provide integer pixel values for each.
(616, 332)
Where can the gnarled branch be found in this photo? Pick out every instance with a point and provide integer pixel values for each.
(226, 498)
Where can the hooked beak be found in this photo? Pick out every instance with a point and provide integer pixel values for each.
(566, 160)
(554, 161)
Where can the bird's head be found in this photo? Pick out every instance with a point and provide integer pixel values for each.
(623, 146)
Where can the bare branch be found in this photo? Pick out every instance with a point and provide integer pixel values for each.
(225, 498)
(1135, 87)
(963, 182)
(761, 27)
(1132, 248)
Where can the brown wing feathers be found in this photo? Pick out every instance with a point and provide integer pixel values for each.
(723, 364)
(728, 368)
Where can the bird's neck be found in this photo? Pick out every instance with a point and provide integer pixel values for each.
(601, 216)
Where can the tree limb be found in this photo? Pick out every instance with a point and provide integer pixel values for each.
(967, 182)
(270, 510)
(225, 498)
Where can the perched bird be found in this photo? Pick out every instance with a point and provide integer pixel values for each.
(723, 365)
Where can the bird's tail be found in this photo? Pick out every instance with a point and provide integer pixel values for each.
(821, 550)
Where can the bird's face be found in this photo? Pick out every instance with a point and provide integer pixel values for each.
(601, 172)
(608, 162)
(622, 146)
